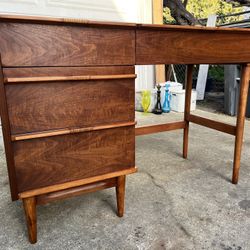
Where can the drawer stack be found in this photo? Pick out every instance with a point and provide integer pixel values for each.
(67, 107)
(66, 128)
(69, 99)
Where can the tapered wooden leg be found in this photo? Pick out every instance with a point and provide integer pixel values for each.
(29, 205)
(120, 194)
(188, 94)
(245, 76)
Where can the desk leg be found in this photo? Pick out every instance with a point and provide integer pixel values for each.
(120, 194)
(244, 86)
(189, 82)
(29, 205)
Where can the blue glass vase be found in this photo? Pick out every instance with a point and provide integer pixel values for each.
(166, 105)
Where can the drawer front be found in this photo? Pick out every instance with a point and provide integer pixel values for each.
(30, 44)
(59, 159)
(177, 46)
(35, 107)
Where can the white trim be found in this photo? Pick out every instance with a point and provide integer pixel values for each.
(145, 74)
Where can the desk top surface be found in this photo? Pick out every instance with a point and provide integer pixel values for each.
(84, 22)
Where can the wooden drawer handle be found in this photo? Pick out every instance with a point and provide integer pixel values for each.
(45, 79)
(49, 133)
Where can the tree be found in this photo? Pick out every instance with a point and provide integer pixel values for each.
(239, 2)
(179, 12)
(188, 12)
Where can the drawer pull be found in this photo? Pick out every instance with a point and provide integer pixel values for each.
(49, 133)
(66, 78)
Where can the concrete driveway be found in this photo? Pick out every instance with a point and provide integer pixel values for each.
(171, 203)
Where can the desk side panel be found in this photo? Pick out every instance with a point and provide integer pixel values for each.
(163, 46)
(8, 145)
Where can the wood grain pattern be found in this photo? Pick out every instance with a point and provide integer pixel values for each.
(66, 71)
(54, 160)
(91, 23)
(58, 45)
(49, 133)
(7, 138)
(49, 79)
(220, 126)
(29, 205)
(120, 195)
(64, 21)
(80, 43)
(75, 191)
(75, 134)
(188, 28)
(40, 107)
(188, 96)
(239, 132)
(191, 46)
(150, 129)
(64, 186)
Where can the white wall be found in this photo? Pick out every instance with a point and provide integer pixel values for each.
(139, 11)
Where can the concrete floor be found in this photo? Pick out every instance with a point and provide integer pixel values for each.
(171, 203)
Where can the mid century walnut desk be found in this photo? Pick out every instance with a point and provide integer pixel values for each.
(67, 100)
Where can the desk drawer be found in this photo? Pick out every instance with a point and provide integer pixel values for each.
(33, 45)
(59, 159)
(41, 106)
(183, 45)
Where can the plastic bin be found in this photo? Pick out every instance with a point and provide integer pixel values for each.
(178, 100)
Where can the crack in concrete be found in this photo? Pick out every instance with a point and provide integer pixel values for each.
(153, 179)
(162, 188)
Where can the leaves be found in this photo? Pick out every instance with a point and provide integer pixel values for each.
(199, 9)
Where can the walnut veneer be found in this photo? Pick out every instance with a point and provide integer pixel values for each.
(67, 100)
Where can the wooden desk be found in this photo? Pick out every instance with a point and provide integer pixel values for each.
(67, 100)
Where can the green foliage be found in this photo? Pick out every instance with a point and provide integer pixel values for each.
(168, 19)
(203, 8)
(217, 73)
